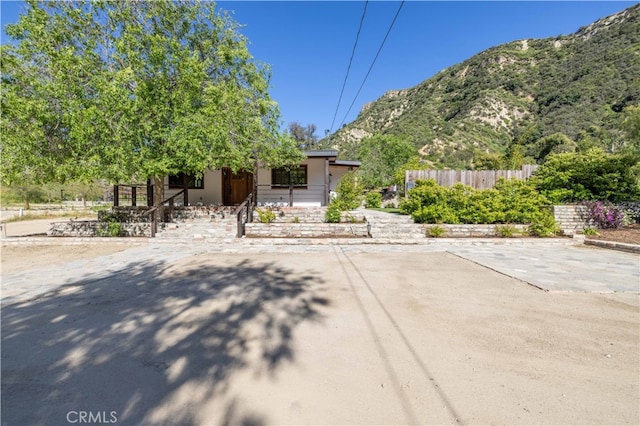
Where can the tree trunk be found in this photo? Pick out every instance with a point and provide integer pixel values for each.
(158, 195)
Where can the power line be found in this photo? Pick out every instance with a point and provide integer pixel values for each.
(373, 63)
(349, 67)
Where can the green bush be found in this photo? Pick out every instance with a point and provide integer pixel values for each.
(266, 215)
(483, 207)
(591, 175)
(333, 213)
(435, 213)
(373, 200)
(544, 225)
(589, 231)
(506, 231)
(425, 192)
(521, 202)
(112, 229)
(511, 201)
(436, 231)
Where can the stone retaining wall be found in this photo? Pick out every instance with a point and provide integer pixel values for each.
(499, 230)
(572, 218)
(306, 230)
(124, 214)
(94, 228)
(181, 213)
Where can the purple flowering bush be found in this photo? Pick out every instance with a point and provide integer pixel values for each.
(604, 215)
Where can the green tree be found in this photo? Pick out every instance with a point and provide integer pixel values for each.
(631, 127)
(349, 192)
(305, 136)
(382, 156)
(515, 157)
(555, 143)
(133, 90)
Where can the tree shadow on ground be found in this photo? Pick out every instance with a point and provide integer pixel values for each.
(157, 343)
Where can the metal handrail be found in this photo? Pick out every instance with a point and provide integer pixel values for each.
(154, 216)
(247, 205)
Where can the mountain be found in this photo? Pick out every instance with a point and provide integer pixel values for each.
(517, 92)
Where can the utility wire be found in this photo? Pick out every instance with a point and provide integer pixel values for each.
(349, 67)
(373, 63)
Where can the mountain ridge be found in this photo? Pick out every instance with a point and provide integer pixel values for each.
(518, 91)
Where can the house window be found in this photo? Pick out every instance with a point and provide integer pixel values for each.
(175, 181)
(296, 177)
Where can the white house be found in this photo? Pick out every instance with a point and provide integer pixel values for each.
(309, 184)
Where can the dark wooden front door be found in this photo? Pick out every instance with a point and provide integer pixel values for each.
(236, 186)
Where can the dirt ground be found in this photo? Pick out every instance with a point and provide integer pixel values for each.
(629, 234)
(19, 258)
(331, 338)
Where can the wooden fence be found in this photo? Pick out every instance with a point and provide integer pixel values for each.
(478, 179)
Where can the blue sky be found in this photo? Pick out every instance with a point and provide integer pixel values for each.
(308, 44)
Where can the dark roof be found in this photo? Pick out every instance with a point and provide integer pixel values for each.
(346, 163)
(331, 153)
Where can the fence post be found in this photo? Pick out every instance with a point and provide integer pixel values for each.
(290, 196)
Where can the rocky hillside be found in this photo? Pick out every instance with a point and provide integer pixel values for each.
(523, 90)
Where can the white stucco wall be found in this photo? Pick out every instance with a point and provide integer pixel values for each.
(313, 195)
(210, 194)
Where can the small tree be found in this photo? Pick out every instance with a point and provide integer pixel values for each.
(304, 136)
(555, 143)
(382, 156)
(349, 192)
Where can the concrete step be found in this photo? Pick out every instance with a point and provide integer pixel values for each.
(384, 225)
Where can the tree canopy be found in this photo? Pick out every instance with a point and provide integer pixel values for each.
(305, 136)
(133, 90)
(382, 156)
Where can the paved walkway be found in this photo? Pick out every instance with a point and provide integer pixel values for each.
(554, 268)
(552, 265)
